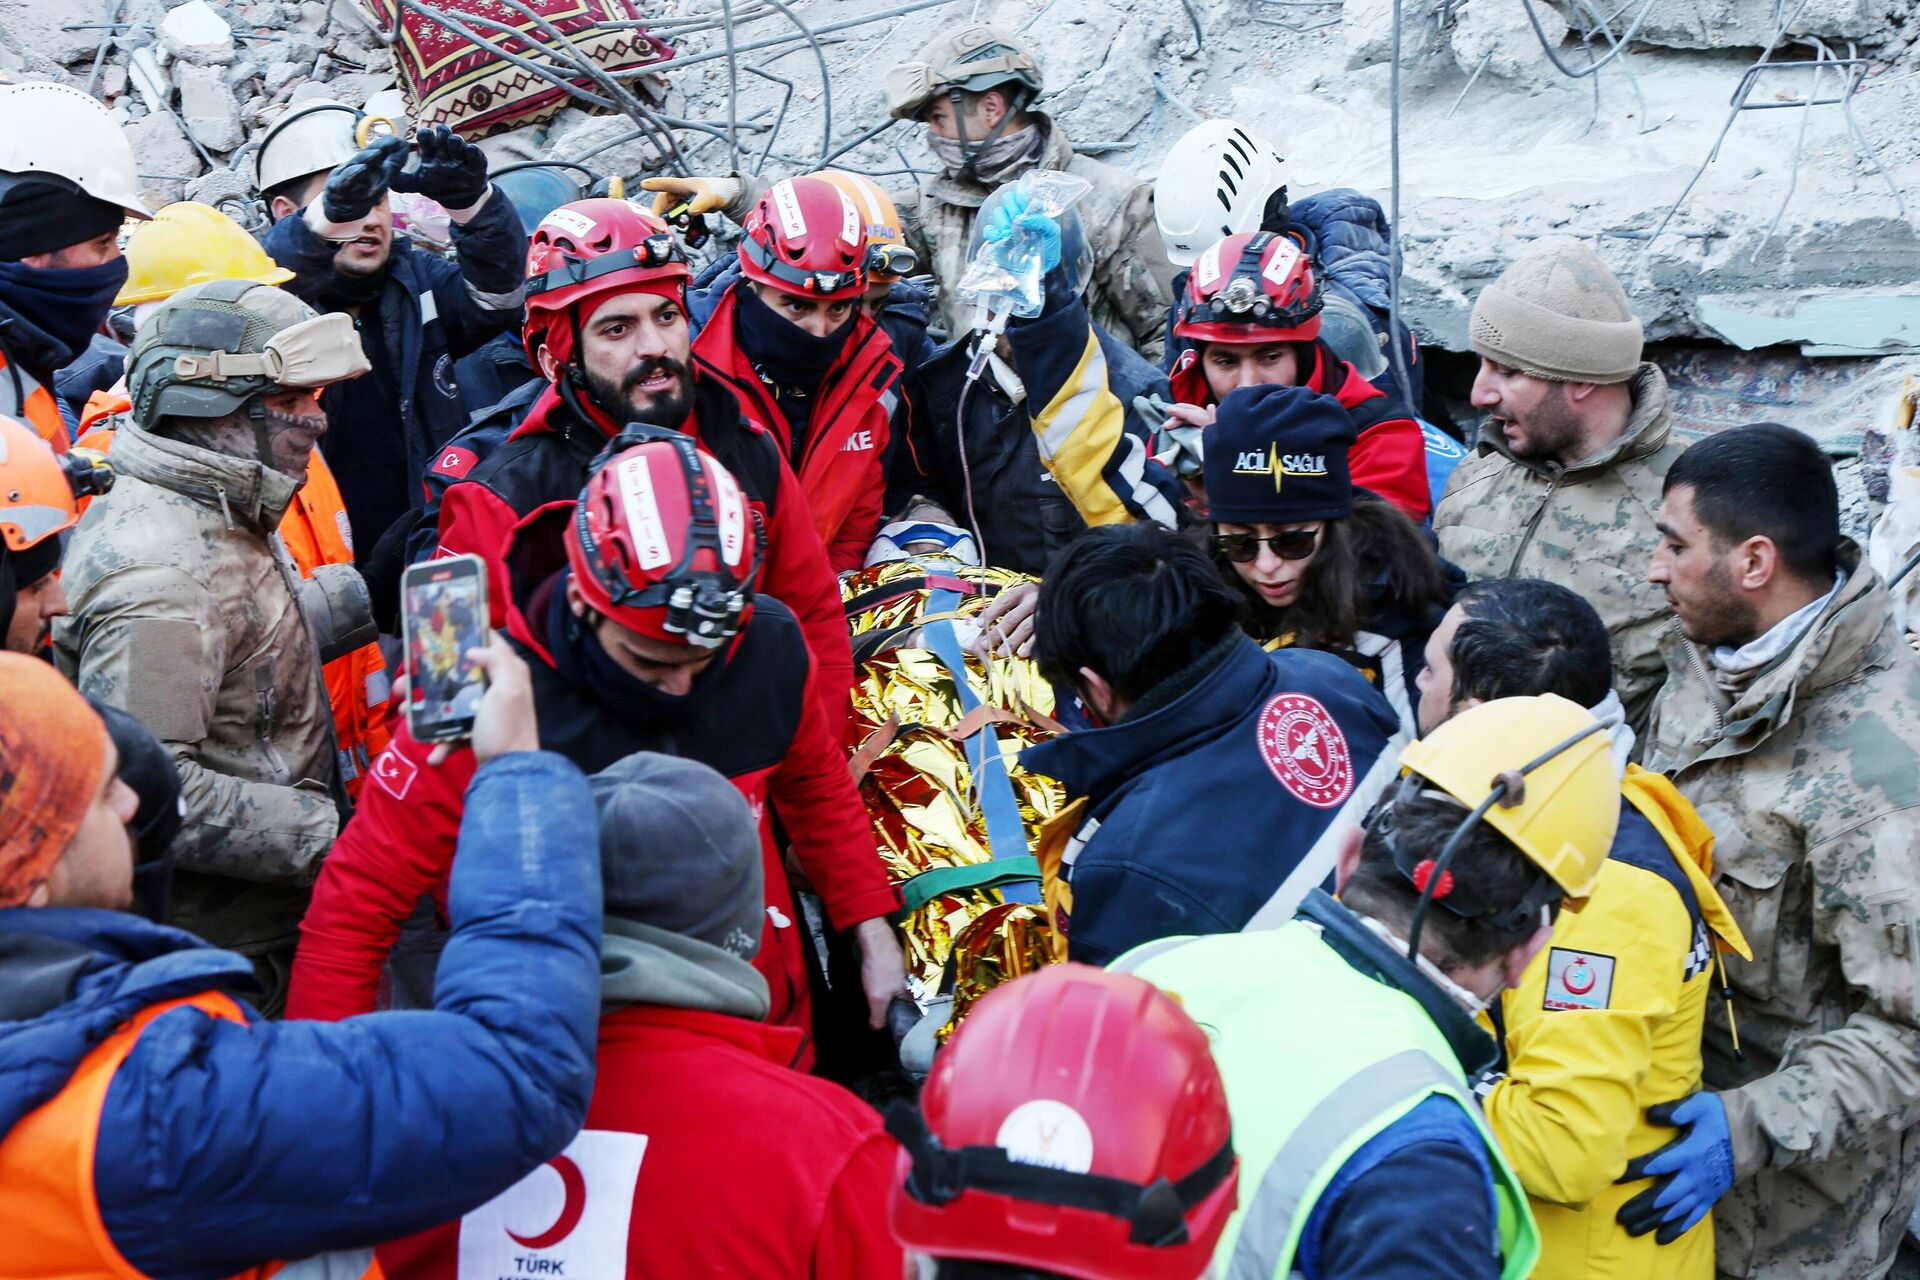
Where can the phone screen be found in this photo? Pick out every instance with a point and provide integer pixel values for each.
(445, 607)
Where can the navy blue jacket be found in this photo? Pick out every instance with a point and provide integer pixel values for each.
(495, 371)
(224, 1145)
(434, 311)
(1212, 789)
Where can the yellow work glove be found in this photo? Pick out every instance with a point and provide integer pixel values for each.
(698, 195)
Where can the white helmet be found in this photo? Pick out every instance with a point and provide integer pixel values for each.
(312, 137)
(57, 130)
(1213, 184)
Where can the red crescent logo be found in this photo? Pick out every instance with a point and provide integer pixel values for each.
(575, 1186)
(1578, 966)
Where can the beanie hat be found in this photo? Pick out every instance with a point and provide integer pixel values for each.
(53, 751)
(1277, 455)
(1558, 313)
(38, 216)
(680, 851)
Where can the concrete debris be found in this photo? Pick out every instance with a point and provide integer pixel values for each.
(1730, 24)
(195, 33)
(1497, 33)
(167, 160)
(207, 105)
(30, 30)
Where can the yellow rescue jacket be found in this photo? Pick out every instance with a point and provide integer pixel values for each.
(1606, 1022)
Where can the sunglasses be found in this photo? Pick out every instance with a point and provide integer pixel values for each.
(1294, 544)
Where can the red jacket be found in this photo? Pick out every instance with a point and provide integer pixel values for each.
(400, 841)
(840, 469)
(545, 459)
(1390, 456)
(738, 1167)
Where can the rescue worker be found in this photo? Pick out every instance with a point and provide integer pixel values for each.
(186, 612)
(154, 1124)
(1254, 308)
(1607, 1022)
(633, 651)
(1212, 793)
(1044, 441)
(607, 326)
(1022, 1160)
(188, 243)
(896, 304)
(691, 1080)
(416, 313)
(1364, 1138)
(974, 88)
(36, 507)
(792, 342)
(1317, 564)
(1565, 479)
(1791, 720)
(67, 182)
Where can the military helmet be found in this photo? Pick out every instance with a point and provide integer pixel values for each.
(973, 59)
(211, 347)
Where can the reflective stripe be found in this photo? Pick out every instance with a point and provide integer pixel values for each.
(1268, 1226)
(342, 1264)
(1319, 860)
(508, 301)
(430, 306)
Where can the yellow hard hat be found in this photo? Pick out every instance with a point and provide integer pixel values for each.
(191, 243)
(1568, 803)
(888, 257)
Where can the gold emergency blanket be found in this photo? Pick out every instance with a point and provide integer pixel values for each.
(909, 737)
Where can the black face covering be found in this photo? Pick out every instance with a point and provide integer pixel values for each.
(579, 656)
(780, 349)
(343, 290)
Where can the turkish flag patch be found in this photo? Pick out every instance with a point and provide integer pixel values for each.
(395, 773)
(1577, 979)
(455, 462)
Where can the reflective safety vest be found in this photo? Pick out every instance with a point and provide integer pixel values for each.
(1301, 1109)
(316, 532)
(49, 1215)
(23, 398)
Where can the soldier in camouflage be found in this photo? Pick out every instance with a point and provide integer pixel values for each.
(1565, 480)
(1791, 719)
(187, 612)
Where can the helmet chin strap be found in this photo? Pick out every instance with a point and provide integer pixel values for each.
(970, 152)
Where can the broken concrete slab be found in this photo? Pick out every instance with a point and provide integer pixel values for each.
(195, 33)
(207, 104)
(1823, 322)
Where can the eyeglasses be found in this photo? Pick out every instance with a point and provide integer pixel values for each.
(1293, 544)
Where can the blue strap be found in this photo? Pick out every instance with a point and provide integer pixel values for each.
(1006, 835)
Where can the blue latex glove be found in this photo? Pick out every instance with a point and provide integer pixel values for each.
(1690, 1173)
(1015, 210)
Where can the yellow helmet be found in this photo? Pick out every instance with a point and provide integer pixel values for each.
(191, 243)
(888, 255)
(1555, 757)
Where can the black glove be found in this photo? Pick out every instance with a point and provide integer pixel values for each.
(356, 186)
(451, 170)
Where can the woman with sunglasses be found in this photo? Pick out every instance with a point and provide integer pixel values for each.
(1321, 564)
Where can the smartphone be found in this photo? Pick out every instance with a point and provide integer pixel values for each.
(443, 605)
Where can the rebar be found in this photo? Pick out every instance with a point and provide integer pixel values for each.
(1395, 347)
(778, 120)
(1592, 67)
(733, 89)
(754, 46)
(106, 38)
(826, 76)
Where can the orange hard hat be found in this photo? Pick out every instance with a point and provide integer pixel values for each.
(36, 500)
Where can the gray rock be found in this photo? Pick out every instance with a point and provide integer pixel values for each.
(313, 17)
(207, 104)
(167, 161)
(196, 34)
(282, 74)
(1499, 30)
(30, 30)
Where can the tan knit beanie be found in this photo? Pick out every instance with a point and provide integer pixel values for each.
(1558, 313)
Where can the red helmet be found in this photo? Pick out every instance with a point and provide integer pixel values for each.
(1256, 287)
(1076, 1124)
(663, 542)
(589, 250)
(806, 237)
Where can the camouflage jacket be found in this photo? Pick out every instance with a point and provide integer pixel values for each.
(184, 614)
(1809, 774)
(1589, 528)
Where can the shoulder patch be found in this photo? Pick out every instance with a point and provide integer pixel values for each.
(1577, 980)
(1304, 747)
(395, 773)
(454, 461)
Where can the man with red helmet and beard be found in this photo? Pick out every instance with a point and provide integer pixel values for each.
(1253, 315)
(607, 327)
(635, 609)
(792, 340)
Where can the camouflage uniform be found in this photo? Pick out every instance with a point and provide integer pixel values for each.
(1589, 528)
(184, 613)
(1809, 773)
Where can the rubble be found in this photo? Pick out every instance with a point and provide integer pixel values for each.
(195, 33)
(207, 104)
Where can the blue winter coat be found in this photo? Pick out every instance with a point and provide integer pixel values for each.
(1212, 790)
(224, 1145)
(434, 311)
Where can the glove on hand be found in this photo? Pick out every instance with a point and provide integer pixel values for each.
(1016, 211)
(1690, 1173)
(452, 170)
(356, 186)
(700, 195)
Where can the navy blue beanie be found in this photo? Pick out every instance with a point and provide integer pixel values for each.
(1278, 455)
